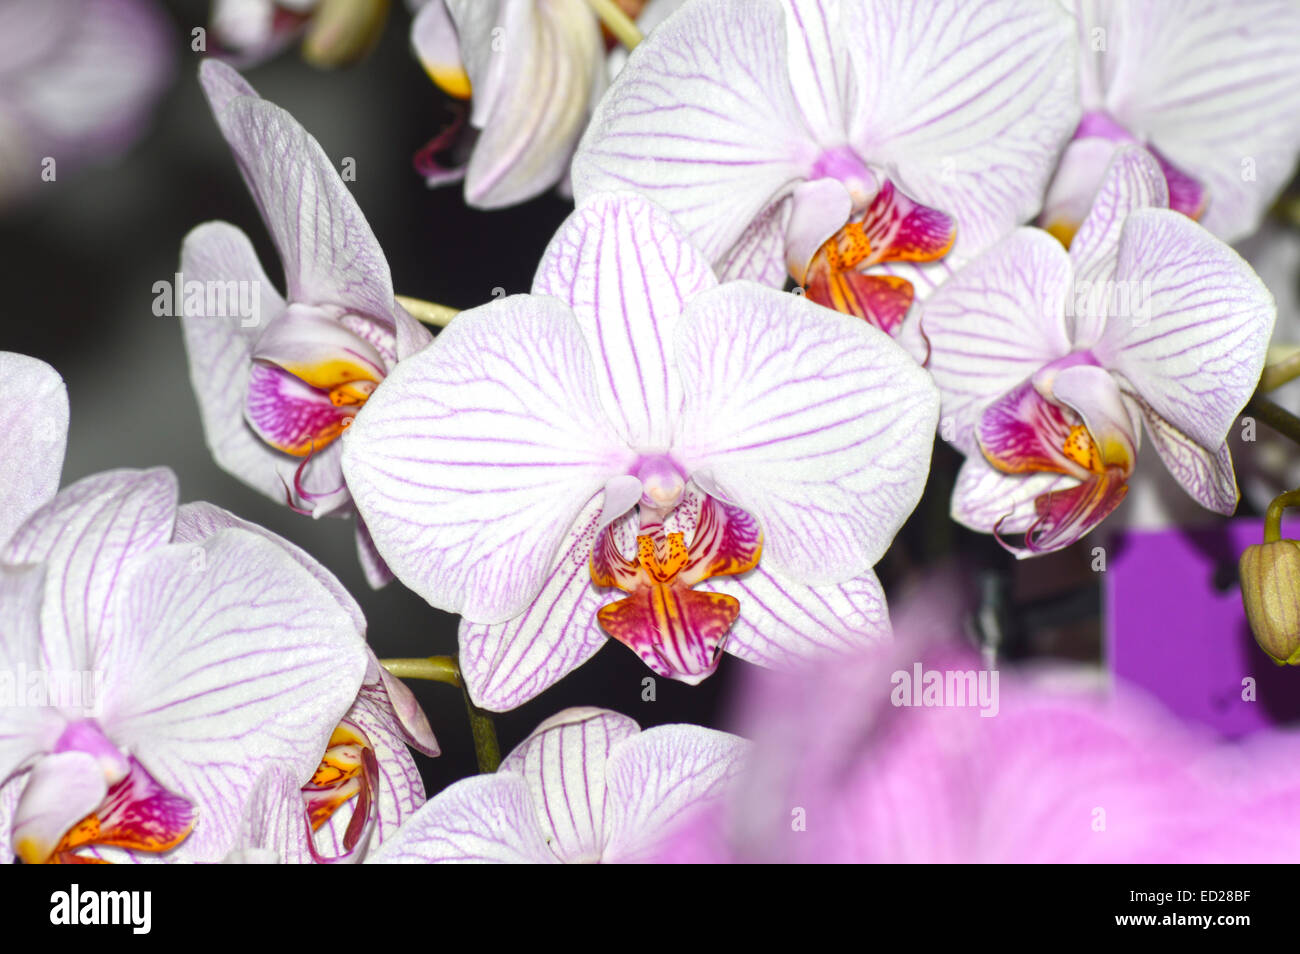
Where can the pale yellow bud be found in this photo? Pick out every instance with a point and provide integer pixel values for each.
(1270, 591)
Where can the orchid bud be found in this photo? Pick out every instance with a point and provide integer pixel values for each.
(1270, 590)
(343, 31)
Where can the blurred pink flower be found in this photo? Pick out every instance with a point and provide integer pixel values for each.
(1056, 772)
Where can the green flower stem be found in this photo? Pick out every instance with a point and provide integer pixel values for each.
(1278, 418)
(1273, 518)
(445, 669)
(435, 668)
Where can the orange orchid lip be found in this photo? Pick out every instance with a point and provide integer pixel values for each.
(679, 632)
(894, 228)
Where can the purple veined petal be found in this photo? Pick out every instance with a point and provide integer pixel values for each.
(703, 121)
(60, 790)
(411, 335)
(223, 657)
(626, 271)
(1193, 341)
(437, 47)
(26, 729)
(220, 350)
(86, 536)
(564, 763)
(400, 709)
(274, 826)
(197, 521)
(821, 68)
(813, 422)
(330, 255)
(1207, 475)
(1074, 185)
(659, 779)
(759, 254)
(471, 462)
(783, 624)
(376, 571)
(527, 139)
(401, 791)
(967, 105)
(488, 819)
(33, 437)
(506, 664)
(985, 498)
(992, 325)
(818, 210)
(1132, 181)
(1213, 87)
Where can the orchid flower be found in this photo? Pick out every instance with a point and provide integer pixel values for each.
(384, 718)
(1209, 87)
(278, 385)
(844, 142)
(632, 425)
(367, 783)
(588, 786)
(1049, 362)
(78, 81)
(847, 767)
(532, 70)
(213, 658)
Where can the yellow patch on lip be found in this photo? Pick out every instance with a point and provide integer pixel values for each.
(328, 375)
(1082, 449)
(338, 777)
(1063, 232)
(452, 80)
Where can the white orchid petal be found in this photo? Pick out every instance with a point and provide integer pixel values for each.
(27, 726)
(783, 624)
(1206, 475)
(330, 255)
(86, 536)
(702, 120)
(220, 349)
(659, 778)
(992, 325)
(1132, 181)
(471, 462)
(33, 437)
(564, 762)
(985, 498)
(506, 664)
(527, 139)
(1195, 348)
(813, 422)
(966, 104)
(627, 272)
(485, 819)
